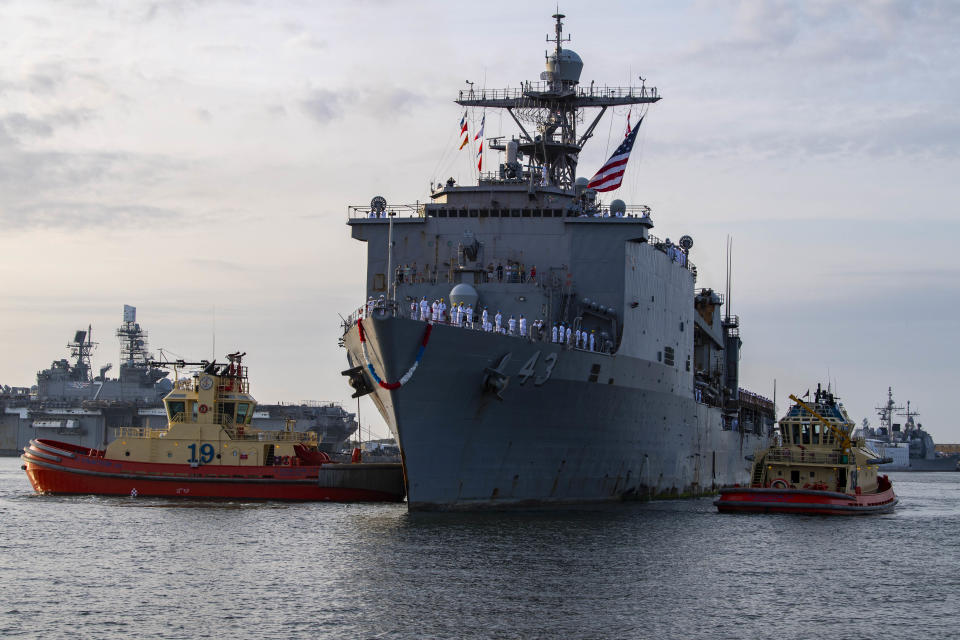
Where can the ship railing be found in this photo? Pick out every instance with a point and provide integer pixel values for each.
(804, 456)
(138, 432)
(593, 91)
(392, 310)
(379, 308)
(400, 211)
(235, 385)
(241, 432)
(673, 251)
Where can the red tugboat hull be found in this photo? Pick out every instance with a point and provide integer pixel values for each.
(806, 501)
(60, 468)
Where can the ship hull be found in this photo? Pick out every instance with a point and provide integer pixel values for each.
(804, 501)
(579, 427)
(60, 468)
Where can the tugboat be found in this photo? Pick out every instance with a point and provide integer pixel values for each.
(815, 468)
(209, 450)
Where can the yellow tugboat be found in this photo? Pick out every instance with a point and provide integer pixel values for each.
(815, 468)
(209, 450)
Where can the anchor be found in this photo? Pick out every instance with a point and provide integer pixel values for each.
(495, 381)
(358, 381)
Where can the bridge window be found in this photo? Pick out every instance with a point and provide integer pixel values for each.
(175, 407)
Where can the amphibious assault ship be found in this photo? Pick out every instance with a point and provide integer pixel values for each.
(74, 405)
(641, 399)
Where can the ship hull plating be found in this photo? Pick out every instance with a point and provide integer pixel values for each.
(572, 426)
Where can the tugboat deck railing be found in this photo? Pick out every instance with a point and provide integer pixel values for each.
(804, 456)
(235, 431)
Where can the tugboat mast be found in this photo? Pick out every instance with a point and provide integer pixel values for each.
(554, 106)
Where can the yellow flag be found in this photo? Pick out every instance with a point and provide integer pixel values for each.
(466, 139)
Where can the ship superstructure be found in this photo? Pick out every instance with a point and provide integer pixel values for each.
(588, 367)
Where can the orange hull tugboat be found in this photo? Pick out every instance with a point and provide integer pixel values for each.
(815, 468)
(208, 450)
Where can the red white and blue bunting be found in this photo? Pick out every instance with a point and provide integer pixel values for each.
(409, 374)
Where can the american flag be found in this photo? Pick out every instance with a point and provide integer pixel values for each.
(610, 174)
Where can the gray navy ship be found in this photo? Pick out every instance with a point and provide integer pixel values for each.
(73, 404)
(908, 445)
(641, 401)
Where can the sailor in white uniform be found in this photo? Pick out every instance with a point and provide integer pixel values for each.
(485, 319)
(569, 334)
(512, 325)
(413, 309)
(498, 321)
(424, 307)
(468, 320)
(553, 333)
(592, 339)
(370, 304)
(523, 326)
(576, 337)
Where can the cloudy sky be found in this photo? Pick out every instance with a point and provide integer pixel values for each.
(196, 159)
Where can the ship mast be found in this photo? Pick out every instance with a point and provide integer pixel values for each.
(886, 414)
(909, 416)
(554, 106)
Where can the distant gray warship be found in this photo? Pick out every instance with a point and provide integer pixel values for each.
(80, 408)
(910, 447)
(639, 397)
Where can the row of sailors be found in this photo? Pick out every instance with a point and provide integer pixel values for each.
(462, 315)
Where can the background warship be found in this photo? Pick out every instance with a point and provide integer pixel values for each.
(909, 445)
(650, 406)
(75, 406)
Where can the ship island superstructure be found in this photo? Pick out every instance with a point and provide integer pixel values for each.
(643, 398)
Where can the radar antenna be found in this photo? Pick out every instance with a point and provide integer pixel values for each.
(82, 348)
(133, 342)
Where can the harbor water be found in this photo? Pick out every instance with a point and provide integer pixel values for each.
(94, 567)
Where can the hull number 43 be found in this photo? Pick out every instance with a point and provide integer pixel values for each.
(528, 369)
